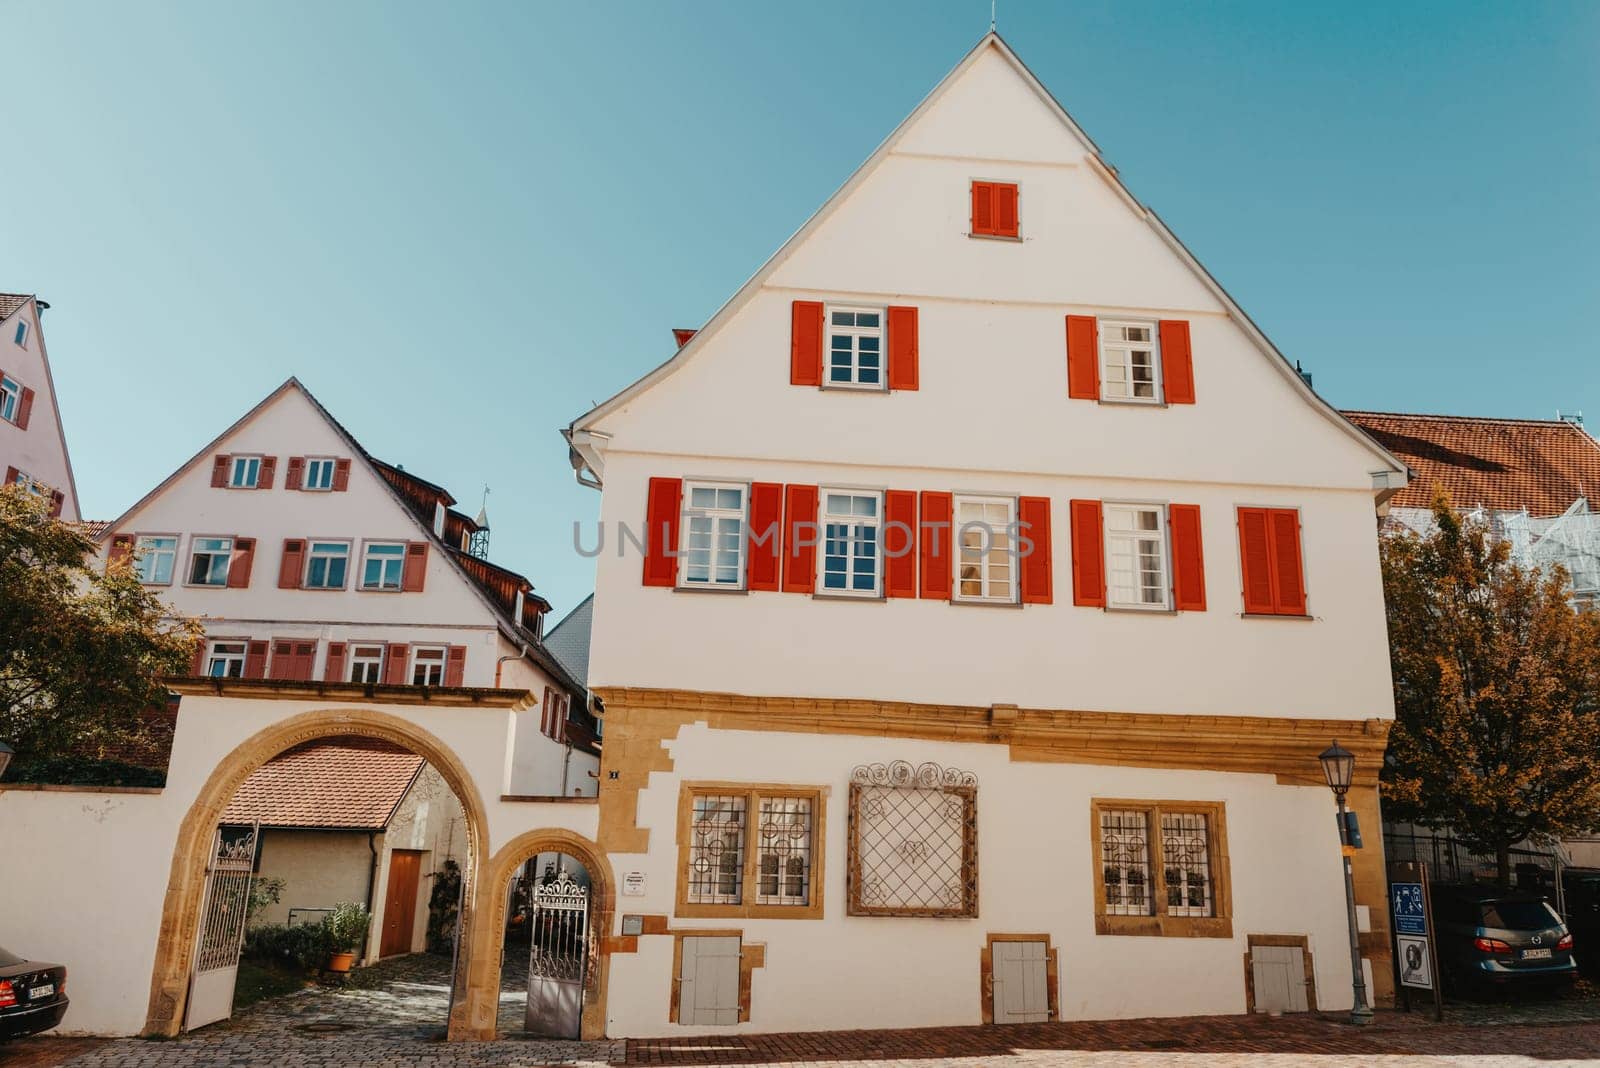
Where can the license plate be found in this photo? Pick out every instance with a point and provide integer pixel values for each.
(1535, 954)
(37, 992)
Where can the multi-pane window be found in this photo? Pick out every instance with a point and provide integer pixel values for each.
(245, 472)
(225, 660)
(851, 543)
(1186, 858)
(155, 557)
(1129, 359)
(1161, 868)
(319, 473)
(427, 665)
(10, 398)
(382, 564)
(1136, 556)
(1125, 861)
(716, 850)
(208, 561)
(987, 566)
(366, 663)
(783, 851)
(855, 347)
(749, 850)
(713, 538)
(326, 565)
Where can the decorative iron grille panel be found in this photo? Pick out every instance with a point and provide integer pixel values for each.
(1186, 856)
(716, 854)
(227, 898)
(560, 930)
(913, 841)
(1125, 862)
(783, 851)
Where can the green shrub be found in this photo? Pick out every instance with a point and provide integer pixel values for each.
(82, 771)
(306, 945)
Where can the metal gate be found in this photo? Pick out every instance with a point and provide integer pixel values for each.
(221, 934)
(558, 963)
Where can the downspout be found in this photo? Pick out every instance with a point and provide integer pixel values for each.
(372, 886)
(499, 664)
(566, 765)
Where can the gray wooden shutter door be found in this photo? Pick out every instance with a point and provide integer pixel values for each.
(1020, 991)
(708, 991)
(1279, 975)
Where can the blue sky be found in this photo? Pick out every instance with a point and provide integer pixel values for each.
(459, 225)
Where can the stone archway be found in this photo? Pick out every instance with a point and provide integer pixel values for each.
(169, 983)
(489, 934)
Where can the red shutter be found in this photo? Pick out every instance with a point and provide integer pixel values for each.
(1188, 559)
(766, 536)
(341, 475)
(1177, 362)
(455, 666)
(935, 534)
(1088, 555)
(1033, 513)
(255, 660)
(333, 670)
(197, 664)
(1255, 562)
(902, 348)
(547, 713)
(1287, 572)
(805, 344)
(11, 476)
(291, 568)
(800, 535)
(269, 465)
(219, 470)
(900, 543)
(120, 551)
(415, 570)
(396, 659)
(294, 475)
(244, 552)
(57, 499)
(293, 660)
(982, 208)
(661, 514)
(1005, 209)
(1083, 357)
(24, 408)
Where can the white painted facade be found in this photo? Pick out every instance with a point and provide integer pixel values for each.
(992, 415)
(36, 452)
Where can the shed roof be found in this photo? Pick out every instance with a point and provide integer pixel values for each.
(352, 783)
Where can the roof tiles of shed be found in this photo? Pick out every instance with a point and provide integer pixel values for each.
(10, 302)
(351, 783)
(1539, 465)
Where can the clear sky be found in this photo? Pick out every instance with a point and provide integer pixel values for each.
(460, 224)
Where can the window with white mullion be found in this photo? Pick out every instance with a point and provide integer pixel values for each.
(1136, 556)
(225, 660)
(783, 851)
(1125, 861)
(713, 545)
(1186, 860)
(366, 663)
(987, 568)
(855, 348)
(246, 472)
(209, 560)
(319, 473)
(716, 853)
(1130, 361)
(10, 399)
(326, 563)
(155, 557)
(851, 543)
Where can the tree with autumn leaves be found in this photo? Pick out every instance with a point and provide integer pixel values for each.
(1497, 691)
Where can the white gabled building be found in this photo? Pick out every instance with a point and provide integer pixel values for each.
(907, 772)
(310, 560)
(33, 447)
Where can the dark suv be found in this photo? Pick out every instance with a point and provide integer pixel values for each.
(1490, 937)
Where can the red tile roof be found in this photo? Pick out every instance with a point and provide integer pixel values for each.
(1504, 464)
(338, 782)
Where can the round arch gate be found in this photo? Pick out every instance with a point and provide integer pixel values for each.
(175, 945)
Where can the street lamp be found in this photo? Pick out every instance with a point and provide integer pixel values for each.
(1338, 767)
(6, 753)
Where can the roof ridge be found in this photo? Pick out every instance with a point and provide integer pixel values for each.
(1462, 418)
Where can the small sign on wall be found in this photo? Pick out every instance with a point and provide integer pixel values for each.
(633, 884)
(633, 925)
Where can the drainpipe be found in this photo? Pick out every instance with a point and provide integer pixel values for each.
(498, 664)
(372, 886)
(566, 765)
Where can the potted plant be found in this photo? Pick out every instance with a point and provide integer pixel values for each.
(346, 928)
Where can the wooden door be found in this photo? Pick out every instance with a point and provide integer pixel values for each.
(400, 905)
(708, 988)
(1279, 978)
(1021, 990)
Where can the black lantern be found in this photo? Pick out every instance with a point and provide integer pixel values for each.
(1338, 767)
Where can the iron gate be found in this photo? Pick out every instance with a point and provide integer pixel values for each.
(223, 910)
(558, 962)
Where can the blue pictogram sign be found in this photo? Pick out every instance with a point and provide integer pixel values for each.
(1410, 914)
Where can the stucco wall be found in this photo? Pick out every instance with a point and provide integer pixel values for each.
(319, 869)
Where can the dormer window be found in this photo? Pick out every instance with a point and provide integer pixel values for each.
(245, 472)
(855, 348)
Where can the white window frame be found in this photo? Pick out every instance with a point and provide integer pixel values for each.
(240, 463)
(855, 333)
(417, 662)
(142, 552)
(1123, 351)
(1012, 594)
(312, 545)
(237, 649)
(194, 549)
(716, 516)
(10, 398)
(1160, 536)
(315, 463)
(825, 517)
(400, 561)
(357, 660)
(28, 484)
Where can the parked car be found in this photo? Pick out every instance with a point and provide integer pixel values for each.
(1488, 937)
(33, 995)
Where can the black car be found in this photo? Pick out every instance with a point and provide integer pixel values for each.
(33, 995)
(1489, 937)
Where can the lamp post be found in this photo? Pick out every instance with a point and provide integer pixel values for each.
(1338, 767)
(6, 753)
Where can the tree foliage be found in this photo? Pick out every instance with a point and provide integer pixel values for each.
(1496, 677)
(81, 652)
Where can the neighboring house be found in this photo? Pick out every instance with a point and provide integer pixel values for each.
(33, 446)
(310, 560)
(858, 734)
(352, 819)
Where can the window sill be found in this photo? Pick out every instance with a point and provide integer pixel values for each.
(1303, 618)
(839, 595)
(1015, 239)
(973, 602)
(1165, 926)
(1132, 402)
(719, 590)
(685, 910)
(845, 387)
(1135, 610)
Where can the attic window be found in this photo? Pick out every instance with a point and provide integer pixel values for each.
(245, 472)
(994, 209)
(22, 333)
(438, 519)
(10, 399)
(319, 473)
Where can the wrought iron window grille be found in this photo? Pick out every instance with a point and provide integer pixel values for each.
(913, 841)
